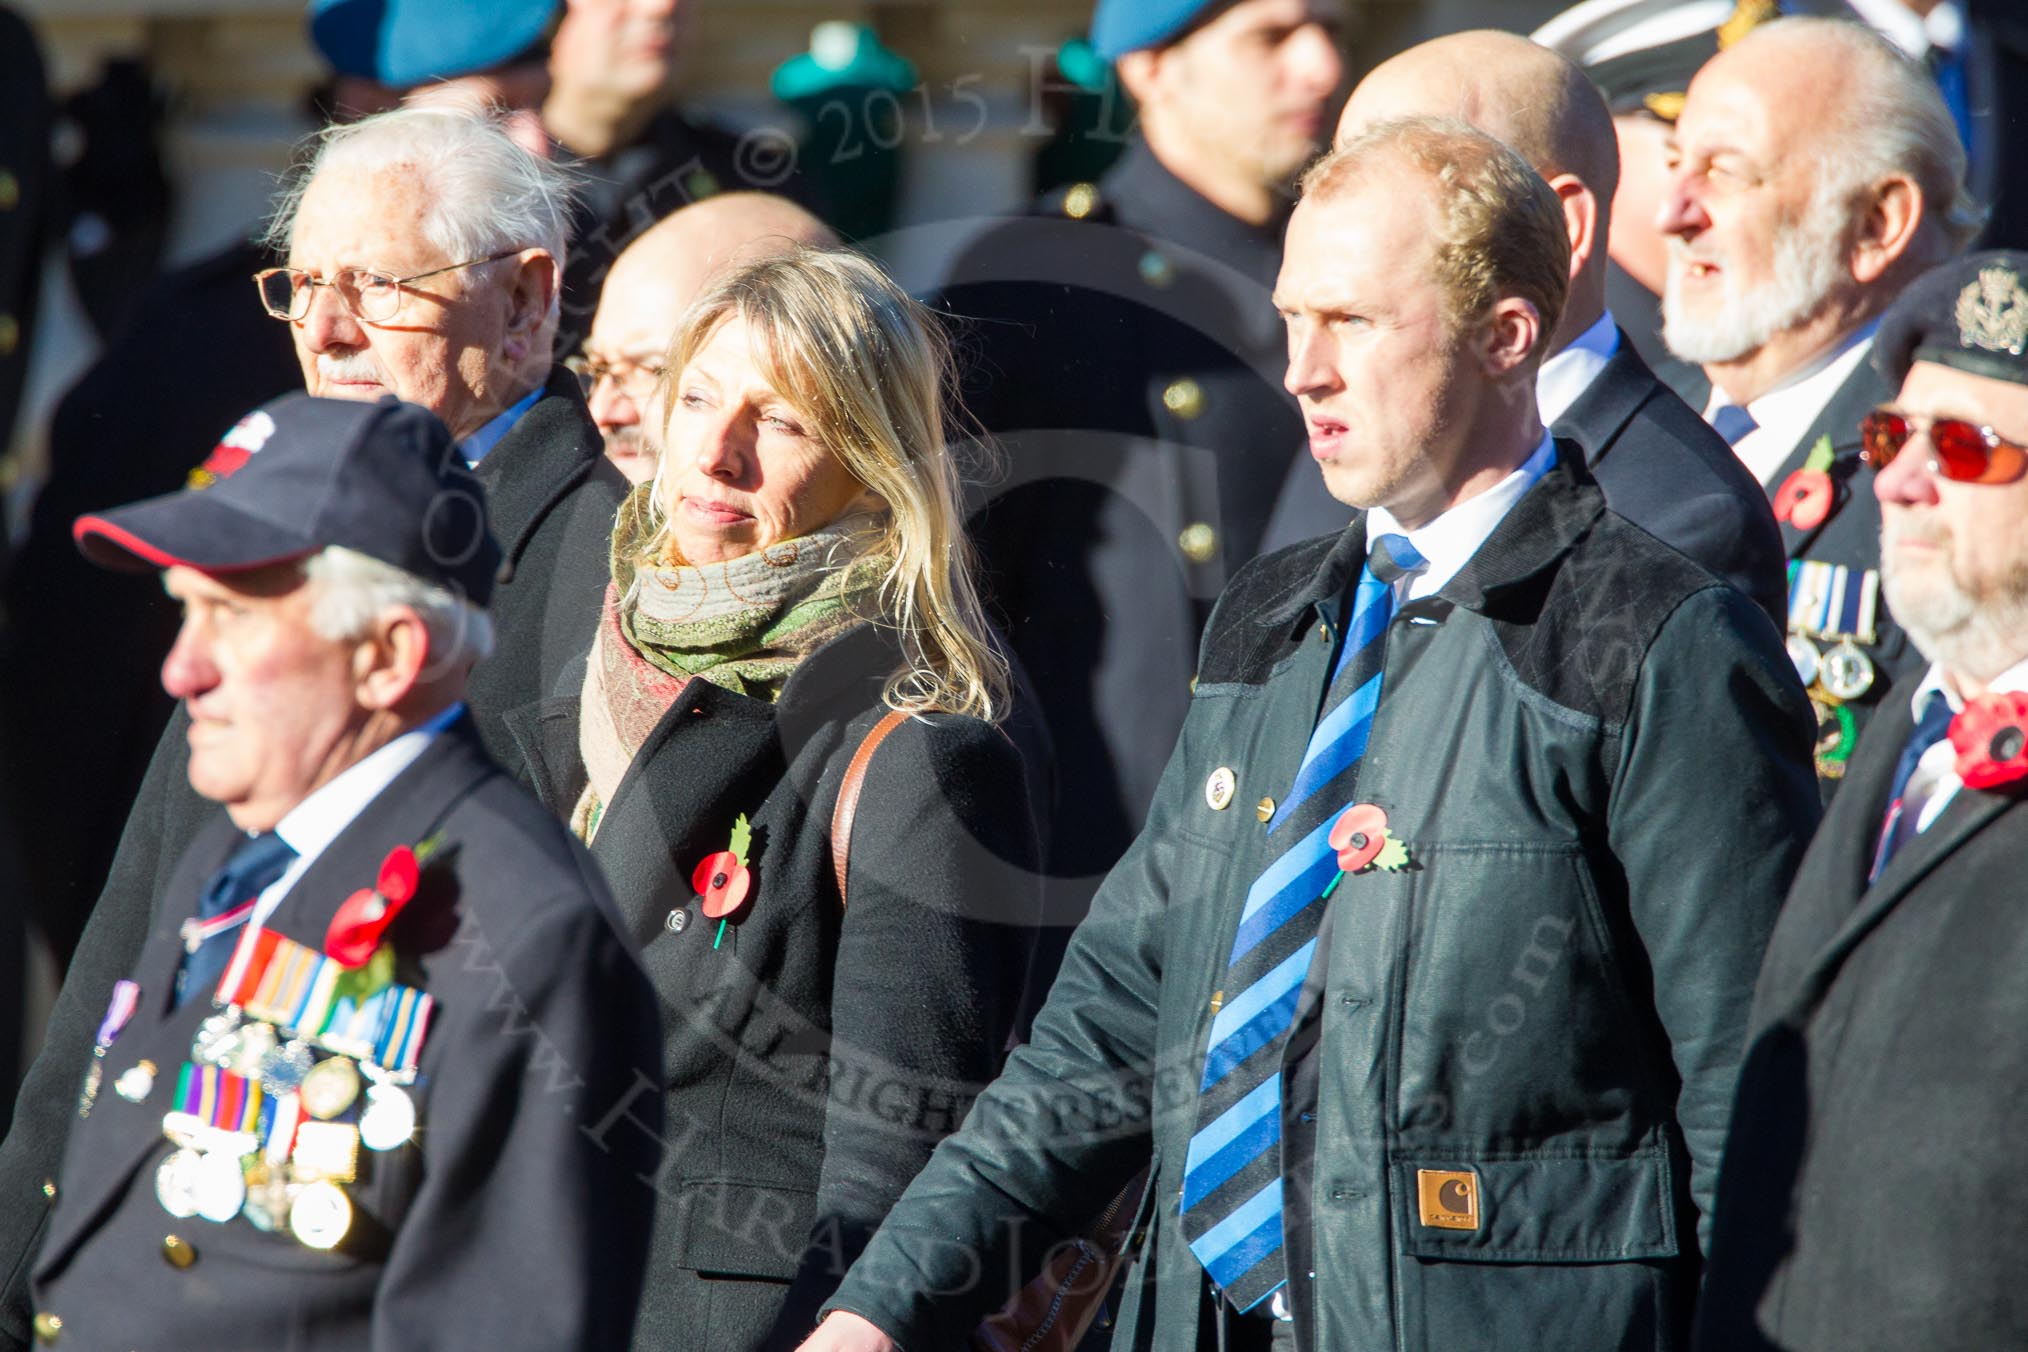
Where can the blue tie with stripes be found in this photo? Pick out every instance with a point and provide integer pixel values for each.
(1232, 1185)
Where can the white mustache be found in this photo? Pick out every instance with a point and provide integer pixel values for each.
(355, 366)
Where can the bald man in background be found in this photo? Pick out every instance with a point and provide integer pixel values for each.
(1660, 466)
(646, 292)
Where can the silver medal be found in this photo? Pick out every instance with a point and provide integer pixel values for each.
(284, 1069)
(1847, 673)
(217, 1039)
(135, 1081)
(250, 1045)
(1808, 661)
(389, 1119)
(267, 1205)
(176, 1182)
(220, 1187)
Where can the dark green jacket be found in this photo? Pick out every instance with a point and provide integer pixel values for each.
(1599, 760)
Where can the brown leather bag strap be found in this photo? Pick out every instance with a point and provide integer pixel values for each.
(848, 796)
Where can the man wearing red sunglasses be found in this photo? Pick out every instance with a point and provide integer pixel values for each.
(1872, 1184)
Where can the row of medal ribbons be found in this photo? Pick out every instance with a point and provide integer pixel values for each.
(306, 1063)
(1831, 603)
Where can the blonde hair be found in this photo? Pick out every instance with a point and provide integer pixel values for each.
(870, 369)
(1500, 230)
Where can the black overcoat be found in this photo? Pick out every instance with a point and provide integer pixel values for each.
(1121, 345)
(500, 1225)
(1871, 1189)
(552, 498)
(815, 1053)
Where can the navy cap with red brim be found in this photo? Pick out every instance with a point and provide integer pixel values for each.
(212, 537)
(300, 474)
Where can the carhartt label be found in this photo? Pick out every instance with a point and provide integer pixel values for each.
(1449, 1200)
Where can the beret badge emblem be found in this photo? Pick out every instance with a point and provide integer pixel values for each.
(1992, 312)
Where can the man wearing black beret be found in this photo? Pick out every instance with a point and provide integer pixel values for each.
(1872, 1188)
(335, 1101)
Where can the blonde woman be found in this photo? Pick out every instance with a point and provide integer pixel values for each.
(797, 571)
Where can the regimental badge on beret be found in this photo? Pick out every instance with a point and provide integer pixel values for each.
(1992, 312)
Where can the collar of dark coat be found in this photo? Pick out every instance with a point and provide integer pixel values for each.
(1145, 195)
(1863, 391)
(551, 450)
(833, 684)
(1605, 406)
(406, 812)
(1527, 544)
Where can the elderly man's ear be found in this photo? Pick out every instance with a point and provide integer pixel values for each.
(392, 660)
(531, 301)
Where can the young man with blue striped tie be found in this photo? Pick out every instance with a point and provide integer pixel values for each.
(1425, 983)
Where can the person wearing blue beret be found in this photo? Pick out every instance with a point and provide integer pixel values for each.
(1123, 349)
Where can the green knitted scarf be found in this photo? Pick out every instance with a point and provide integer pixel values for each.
(745, 624)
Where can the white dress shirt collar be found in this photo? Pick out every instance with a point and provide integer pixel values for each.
(311, 825)
(1935, 781)
(1569, 373)
(1448, 542)
(475, 447)
(1914, 33)
(1783, 414)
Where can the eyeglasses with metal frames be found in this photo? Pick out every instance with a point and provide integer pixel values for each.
(1961, 451)
(372, 297)
(636, 379)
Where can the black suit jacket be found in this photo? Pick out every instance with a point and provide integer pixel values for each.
(552, 496)
(1849, 536)
(1659, 466)
(501, 1224)
(1873, 1170)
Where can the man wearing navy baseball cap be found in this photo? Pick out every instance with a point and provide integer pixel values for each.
(297, 1107)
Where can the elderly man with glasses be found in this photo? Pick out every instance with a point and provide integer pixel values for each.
(424, 248)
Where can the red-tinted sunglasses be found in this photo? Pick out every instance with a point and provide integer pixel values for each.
(1963, 451)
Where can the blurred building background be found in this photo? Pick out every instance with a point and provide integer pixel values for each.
(171, 120)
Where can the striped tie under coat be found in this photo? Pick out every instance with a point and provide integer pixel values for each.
(1232, 1186)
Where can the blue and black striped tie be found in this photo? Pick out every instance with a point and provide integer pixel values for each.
(1232, 1181)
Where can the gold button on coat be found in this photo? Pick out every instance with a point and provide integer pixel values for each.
(1218, 789)
(10, 191)
(10, 335)
(48, 1328)
(49, 1188)
(1184, 398)
(1198, 542)
(1264, 809)
(178, 1251)
(1079, 201)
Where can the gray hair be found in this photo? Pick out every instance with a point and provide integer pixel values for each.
(354, 590)
(1893, 122)
(486, 193)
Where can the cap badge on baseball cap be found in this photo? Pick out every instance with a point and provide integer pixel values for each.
(233, 450)
(1992, 311)
(305, 474)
